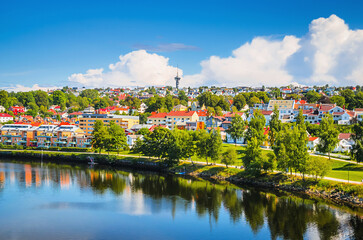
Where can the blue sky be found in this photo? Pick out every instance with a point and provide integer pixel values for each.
(44, 42)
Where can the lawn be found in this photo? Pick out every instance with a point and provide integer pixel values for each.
(340, 170)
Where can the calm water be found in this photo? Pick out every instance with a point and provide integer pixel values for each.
(52, 201)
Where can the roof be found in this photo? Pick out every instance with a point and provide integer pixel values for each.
(180, 113)
(158, 115)
(344, 136)
(5, 115)
(265, 112)
(311, 139)
(225, 122)
(202, 113)
(75, 113)
(358, 109)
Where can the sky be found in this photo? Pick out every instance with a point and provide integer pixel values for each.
(46, 44)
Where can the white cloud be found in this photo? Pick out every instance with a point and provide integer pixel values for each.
(137, 68)
(22, 88)
(330, 53)
(261, 62)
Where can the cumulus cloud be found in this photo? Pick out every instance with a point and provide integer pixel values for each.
(330, 52)
(22, 88)
(261, 62)
(137, 68)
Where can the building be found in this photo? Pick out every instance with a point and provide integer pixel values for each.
(173, 118)
(87, 121)
(131, 139)
(4, 117)
(285, 107)
(63, 135)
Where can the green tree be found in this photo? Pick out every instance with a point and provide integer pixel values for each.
(59, 98)
(256, 127)
(99, 136)
(41, 98)
(239, 101)
(253, 157)
(300, 118)
(202, 144)
(312, 96)
(3, 98)
(275, 126)
(90, 94)
(328, 135)
(318, 166)
(357, 150)
(237, 128)
(338, 100)
(180, 145)
(229, 157)
(116, 138)
(182, 96)
(215, 145)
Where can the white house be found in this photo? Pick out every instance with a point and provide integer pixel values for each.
(312, 143)
(345, 143)
(4, 117)
(131, 139)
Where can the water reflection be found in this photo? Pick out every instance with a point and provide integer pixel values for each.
(286, 217)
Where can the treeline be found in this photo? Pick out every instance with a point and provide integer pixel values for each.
(174, 145)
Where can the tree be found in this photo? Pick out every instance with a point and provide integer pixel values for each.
(182, 96)
(41, 98)
(239, 101)
(99, 136)
(143, 131)
(318, 166)
(218, 110)
(59, 98)
(338, 100)
(229, 157)
(252, 101)
(3, 98)
(253, 158)
(156, 143)
(357, 150)
(256, 127)
(202, 144)
(328, 135)
(215, 145)
(300, 118)
(312, 96)
(237, 128)
(180, 145)
(116, 138)
(90, 94)
(275, 126)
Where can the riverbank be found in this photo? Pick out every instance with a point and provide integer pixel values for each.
(338, 193)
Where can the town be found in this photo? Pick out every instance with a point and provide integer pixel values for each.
(66, 117)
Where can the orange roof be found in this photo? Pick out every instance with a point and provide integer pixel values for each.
(158, 115)
(36, 124)
(180, 113)
(311, 139)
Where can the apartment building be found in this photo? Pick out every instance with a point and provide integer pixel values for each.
(173, 118)
(44, 136)
(87, 121)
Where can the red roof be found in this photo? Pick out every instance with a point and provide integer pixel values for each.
(202, 113)
(344, 136)
(226, 122)
(338, 113)
(265, 112)
(75, 113)
(5, 115)
(158, 115)
(311, 139)
(180, 113)
(358, 109)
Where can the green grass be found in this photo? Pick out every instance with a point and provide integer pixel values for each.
(340, 170)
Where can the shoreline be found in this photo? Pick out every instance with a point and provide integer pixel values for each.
(340, 198)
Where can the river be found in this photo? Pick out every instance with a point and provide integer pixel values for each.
(51, 201)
